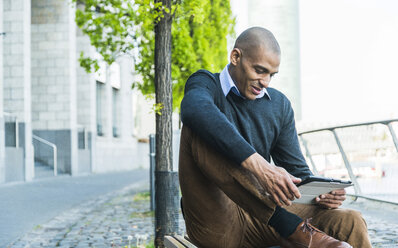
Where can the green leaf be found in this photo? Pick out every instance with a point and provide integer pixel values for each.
(118, 27)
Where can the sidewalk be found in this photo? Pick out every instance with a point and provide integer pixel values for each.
(25, 206)
(382, 220)
(123, 217)
(116, 219)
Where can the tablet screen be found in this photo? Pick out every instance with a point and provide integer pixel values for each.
(312, 187)
(322, 179)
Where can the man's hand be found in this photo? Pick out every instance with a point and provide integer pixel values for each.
(332, 200)
(275, 180)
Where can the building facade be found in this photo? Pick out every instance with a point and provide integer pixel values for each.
(53, 113)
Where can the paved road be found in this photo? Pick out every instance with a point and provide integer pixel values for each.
(103, 211)
(123, 217)
(24, 206)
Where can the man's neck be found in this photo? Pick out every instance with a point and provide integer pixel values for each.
(231, 71)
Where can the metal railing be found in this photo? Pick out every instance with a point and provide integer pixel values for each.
(368, 151)
(53, 146)
(16, 127)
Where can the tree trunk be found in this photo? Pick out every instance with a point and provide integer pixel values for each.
(166, 181)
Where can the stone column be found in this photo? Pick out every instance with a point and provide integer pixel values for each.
(17, 73)
(72, 84)
(54, 79)
(86, 98)
(2, 140)
(29, 156)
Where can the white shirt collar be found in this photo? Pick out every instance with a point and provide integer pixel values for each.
(227, 84)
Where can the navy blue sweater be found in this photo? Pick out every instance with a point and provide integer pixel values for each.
(238, 127)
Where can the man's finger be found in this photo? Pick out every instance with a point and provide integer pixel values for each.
(286, 191)
(276, 199)
(328, 206)
(339, 197)
(330, 201)
(282, 197)
(294, 190)
(327, 200)
(295, 180)
(338, 192)
(331, 196)
(285, 182)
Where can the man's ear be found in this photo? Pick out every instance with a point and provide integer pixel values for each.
(236, 55)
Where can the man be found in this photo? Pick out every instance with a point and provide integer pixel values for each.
(231, 195)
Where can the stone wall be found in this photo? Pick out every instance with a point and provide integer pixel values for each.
(13, 57)
(86, 85)
(50, 65)
(16, 75)
(53, 62)
(2, 134)
(117, 153)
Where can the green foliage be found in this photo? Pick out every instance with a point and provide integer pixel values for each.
(37, 227)
(117, 27)
(142, 196)
(142, 214)
(199, 40)
(150, 245)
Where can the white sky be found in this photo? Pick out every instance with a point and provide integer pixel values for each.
(349, 58)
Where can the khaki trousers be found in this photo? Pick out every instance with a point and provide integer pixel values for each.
(225, 206)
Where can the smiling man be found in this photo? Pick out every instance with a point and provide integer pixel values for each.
(232, 196)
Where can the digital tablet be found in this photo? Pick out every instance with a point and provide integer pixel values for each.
(313, 186)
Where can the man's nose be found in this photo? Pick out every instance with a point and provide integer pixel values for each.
(264, 82)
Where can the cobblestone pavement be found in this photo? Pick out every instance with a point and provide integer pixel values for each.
(117, 219)
(382, 220)
(382, 233)
(123, 219)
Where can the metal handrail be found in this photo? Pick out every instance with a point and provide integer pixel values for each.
(341, 149)
(54, 150)
(385, 122)
(16, 127)
(347, 164)
(394, 136)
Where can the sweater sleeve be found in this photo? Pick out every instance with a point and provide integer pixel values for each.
(287, 152)
(200, 113)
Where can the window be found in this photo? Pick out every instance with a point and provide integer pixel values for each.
(100, 108)
(116, 112)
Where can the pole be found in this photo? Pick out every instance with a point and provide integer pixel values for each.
(347, 164)
(152, 162)
(394, 137)
(308, 154)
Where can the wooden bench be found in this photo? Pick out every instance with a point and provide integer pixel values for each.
(177, 241)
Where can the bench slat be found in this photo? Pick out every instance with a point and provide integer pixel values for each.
(172, 242)
(184, 241)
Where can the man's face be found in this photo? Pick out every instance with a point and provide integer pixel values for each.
(252, 70)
